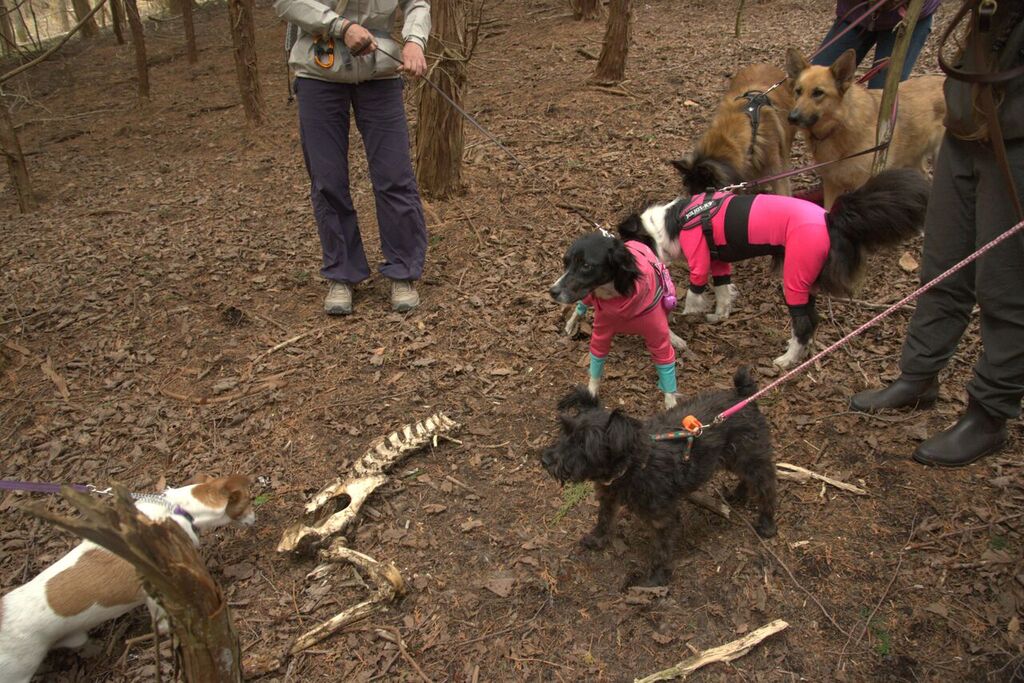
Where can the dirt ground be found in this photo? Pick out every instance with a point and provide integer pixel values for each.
(175, 247)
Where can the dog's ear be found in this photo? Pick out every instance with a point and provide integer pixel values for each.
(580, 397)
(620, 433)
(795, 63)
(630, 227)
(624, 266)
(843, 69)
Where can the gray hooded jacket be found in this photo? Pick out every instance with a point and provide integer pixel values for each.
(315, 18)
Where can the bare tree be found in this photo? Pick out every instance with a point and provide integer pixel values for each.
(586, 9)
(243, 37)
(10, 45)
(190, 31)
(611, 66)
(64, 15)
(139, 43)
(11, 149)
(117, 19)
(439, 133)
(89, 29)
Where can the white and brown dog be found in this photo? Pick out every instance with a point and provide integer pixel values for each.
(91, 585)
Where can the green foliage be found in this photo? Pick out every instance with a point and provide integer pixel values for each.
(572, 494)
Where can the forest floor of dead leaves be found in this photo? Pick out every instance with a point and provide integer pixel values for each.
(175, 247)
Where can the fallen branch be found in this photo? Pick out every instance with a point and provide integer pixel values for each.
(722, 653)
(172, 573)
(386, 577)
(708, 503)
(797, 473)
(335, 507)
(49, 53)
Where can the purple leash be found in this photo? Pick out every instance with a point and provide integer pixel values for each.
(43, 487)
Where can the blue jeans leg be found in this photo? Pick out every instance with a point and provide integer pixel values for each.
(858, 39)
(886, 43)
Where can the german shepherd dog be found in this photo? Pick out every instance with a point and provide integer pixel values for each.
(747, 139)
(838, 117)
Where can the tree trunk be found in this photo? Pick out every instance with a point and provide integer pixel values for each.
(64, 15)
(10, 45)
(90, 29)
(11, 149)
(139, 43)
(586, 9)
(190, 31)
(440, 137)
(172, 572)
(611, 67)
(243, 37)
(117, 19)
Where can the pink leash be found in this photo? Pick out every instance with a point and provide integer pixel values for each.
(726, 414)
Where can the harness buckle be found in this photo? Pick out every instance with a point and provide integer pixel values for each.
(693, 425)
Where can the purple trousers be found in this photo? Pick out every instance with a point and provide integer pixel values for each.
(380, 117)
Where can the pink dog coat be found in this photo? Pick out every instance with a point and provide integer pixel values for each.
(744, 226)
(639, 313)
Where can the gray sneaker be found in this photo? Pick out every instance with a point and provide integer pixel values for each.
(339, 299)
(404, 296)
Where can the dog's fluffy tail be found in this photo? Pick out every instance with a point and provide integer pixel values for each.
(886, 210)
(744, 382)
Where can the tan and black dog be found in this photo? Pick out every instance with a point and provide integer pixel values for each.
(838, 117)
(749, 138)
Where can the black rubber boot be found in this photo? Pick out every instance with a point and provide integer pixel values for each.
(903, 393)
(975, 435)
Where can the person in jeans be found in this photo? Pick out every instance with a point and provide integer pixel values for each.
(347, 63)
(971, 204)
(878, 31)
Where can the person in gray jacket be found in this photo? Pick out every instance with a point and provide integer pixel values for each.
(345, 60)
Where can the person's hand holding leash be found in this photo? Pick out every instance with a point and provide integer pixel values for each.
(357, 39)
(414, 62)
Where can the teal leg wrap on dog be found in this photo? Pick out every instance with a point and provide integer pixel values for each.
(597, 367)
(666, 377)
(581, 308)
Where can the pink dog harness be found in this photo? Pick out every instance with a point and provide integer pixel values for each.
(717, 229)
(641, 313)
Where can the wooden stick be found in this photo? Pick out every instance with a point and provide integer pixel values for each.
(722, 653)
(893, 74)
(708, 503)
(794, 472)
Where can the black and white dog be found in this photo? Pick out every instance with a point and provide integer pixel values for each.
(629, 468)
(820, 251)
(631, 292)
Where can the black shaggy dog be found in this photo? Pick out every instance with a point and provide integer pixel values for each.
(628, 467)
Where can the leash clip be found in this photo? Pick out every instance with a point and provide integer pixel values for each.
(93, 489)
(693, 425)
(986, 10)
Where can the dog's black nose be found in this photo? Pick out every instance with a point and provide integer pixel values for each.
(794, 116)
(554, 290)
